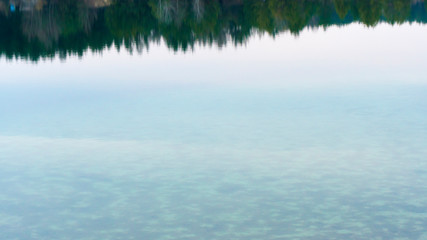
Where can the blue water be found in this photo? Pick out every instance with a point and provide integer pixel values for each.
(316, 136)
(212, 163)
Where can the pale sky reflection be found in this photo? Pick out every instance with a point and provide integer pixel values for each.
(346, 55)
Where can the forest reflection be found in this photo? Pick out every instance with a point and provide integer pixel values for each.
(35, 29)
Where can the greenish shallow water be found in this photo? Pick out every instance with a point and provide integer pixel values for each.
(235, 164)
(217, 120)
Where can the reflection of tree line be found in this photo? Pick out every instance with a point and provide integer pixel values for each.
(72, 26)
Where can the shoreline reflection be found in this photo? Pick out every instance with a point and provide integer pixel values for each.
(44, 29)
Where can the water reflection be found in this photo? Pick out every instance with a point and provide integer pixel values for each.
(317, 137)
(35, 29)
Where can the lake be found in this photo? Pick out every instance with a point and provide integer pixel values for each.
(197, 119)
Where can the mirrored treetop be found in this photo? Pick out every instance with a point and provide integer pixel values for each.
(37, 29)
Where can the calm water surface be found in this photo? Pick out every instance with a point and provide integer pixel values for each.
(225, 120)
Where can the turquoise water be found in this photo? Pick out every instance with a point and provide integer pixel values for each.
(241, 120)
(216, 164)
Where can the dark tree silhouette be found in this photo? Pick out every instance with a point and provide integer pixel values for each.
(48, 28)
